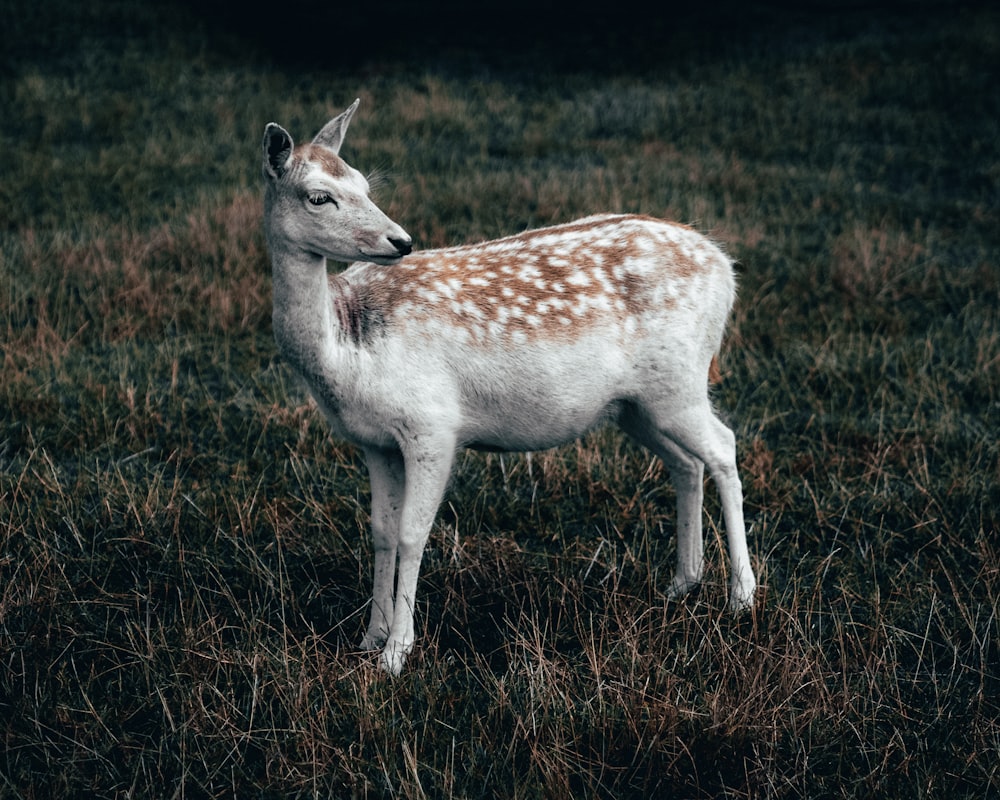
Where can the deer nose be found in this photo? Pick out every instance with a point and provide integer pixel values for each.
(404, 246)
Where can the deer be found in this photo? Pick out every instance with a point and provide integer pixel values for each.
(519, 344)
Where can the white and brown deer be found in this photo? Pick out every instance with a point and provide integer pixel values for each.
(521, 344)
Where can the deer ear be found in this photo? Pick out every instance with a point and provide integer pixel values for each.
(277, 150)
(332, 135)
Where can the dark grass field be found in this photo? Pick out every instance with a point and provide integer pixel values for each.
(184, 560)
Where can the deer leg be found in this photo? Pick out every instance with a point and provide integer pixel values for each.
(427, 470)
(696, 431)
(688, 476)
(703, 434)
(725, 473)
(689, 480)
(385, 470)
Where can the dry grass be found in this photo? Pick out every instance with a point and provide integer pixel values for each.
(184, 561)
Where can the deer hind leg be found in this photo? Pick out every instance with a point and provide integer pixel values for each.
(387, 476)
(428, 468)
(696, 431)
(687, 474)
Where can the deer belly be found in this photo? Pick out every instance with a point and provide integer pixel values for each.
(532, 423)
(542, 397)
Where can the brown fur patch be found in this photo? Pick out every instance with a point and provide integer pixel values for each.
(549, 282)
(332, 164)
(714, 373)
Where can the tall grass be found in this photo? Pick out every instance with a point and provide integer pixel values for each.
(184, 561)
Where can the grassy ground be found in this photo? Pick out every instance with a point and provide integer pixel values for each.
(184, 563)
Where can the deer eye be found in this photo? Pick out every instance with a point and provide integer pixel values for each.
(321, 199)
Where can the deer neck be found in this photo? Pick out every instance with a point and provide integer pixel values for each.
(304, 317)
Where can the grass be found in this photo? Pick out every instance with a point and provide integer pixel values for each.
(184, 562)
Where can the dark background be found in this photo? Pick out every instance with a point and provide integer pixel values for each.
(520, 35)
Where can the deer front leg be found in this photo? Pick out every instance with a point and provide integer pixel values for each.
(427, 469)
(386, 473)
